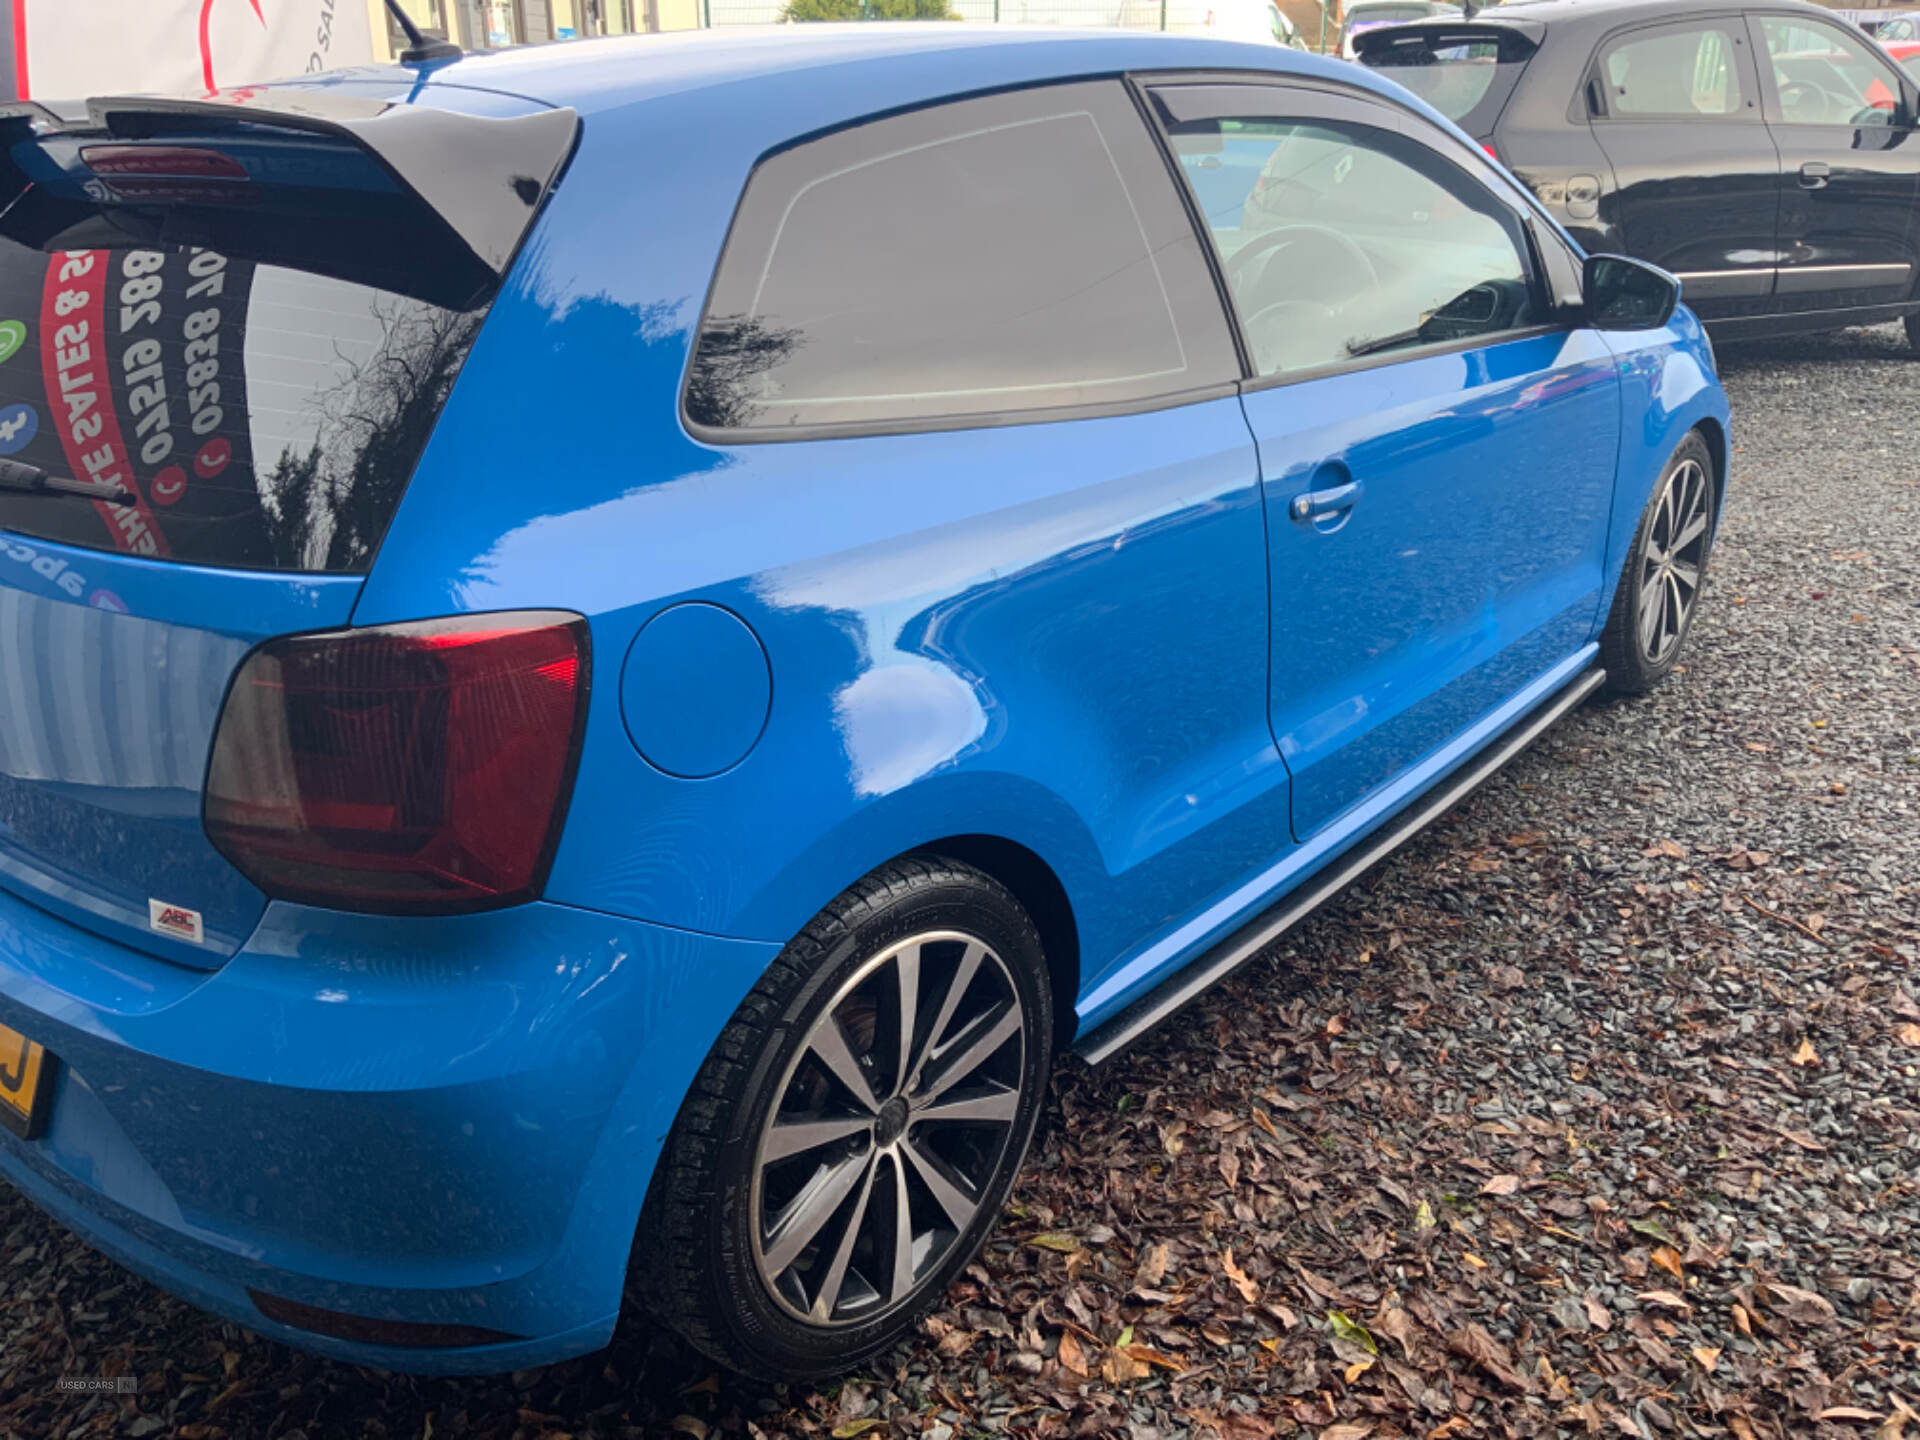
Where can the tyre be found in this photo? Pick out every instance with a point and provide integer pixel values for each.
(1659, 590)
(1913, 330)
(850, 1140)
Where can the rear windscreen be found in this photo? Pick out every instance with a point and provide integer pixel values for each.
(1466, 75)
(1388, 15)
(246, 415)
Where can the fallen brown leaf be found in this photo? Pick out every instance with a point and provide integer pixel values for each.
(1803, 1307)
(1668, 1259)
(1806, 1055)
(1598, 1313)
(1664, 1298)
(1153, 1268)
(1501, 1185)
(1249, 1289)
(1071, 1356)
(1392, 1322)
(955, 1342)
(1489, 1354)
(1120, 1368)
(1055, 1240)
(1147, 1355)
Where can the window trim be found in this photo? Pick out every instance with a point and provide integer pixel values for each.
(1752, 113)
(1185, 316)
(1292, 99)
(1901, 84)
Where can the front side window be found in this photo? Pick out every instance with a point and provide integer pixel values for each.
(1825, 76)
(1341, 240)
(1684, 72)
(1018, 253)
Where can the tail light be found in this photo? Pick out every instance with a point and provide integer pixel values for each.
(1487, 145)
(418, 768)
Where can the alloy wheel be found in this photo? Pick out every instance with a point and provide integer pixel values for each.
(890, 1125)
(1673, 562)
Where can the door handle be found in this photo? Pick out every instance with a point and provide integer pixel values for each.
(1814, 175)
(1328, 504)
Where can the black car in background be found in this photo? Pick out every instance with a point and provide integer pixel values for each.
(1766, 153)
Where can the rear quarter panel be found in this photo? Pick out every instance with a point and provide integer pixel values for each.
(1053, 633)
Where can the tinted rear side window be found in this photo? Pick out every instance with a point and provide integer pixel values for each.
(1466, 75)
(1682, 72)
(1018, 253)
(255, 416)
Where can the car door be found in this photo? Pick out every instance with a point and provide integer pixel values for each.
(1676, 107)
(1842, 117)
(966, 369)
(1436, 454)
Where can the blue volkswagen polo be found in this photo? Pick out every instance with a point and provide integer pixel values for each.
(606, 652)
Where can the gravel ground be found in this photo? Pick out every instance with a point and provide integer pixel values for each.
(1596, 1111)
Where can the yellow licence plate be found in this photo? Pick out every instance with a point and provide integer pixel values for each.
(26, 1075)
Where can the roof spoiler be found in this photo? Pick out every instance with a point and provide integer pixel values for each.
(424, 202)
(1514, 34)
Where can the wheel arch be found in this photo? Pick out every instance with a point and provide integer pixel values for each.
(1042, 895)
(1715, 434)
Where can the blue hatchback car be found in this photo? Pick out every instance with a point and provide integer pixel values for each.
(606, 652)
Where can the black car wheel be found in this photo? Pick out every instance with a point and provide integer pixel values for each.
(850, 1140)
(1659, 589)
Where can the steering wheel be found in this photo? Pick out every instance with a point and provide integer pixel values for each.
(1317, 245)
(1796, 93)
(1320, 258)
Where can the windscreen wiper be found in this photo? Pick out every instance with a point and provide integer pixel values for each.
(18, 475)
(1383, 342)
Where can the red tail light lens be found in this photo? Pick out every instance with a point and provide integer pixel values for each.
(419, 768)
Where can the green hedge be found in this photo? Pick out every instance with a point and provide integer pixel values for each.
(868, 10)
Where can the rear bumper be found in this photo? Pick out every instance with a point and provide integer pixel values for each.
(440, 1121)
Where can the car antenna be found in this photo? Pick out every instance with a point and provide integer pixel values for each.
(421, 50)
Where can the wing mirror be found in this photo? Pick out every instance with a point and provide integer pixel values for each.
(1625, 294)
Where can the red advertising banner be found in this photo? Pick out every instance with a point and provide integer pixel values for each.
(67, 49)
(73, 364)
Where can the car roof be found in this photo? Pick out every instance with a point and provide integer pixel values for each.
(939, 57)
(1561, 10)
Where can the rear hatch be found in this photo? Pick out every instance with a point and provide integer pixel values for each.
(227, 328)
(1467, 70)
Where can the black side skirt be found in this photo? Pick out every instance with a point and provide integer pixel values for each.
(1109, 1039)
